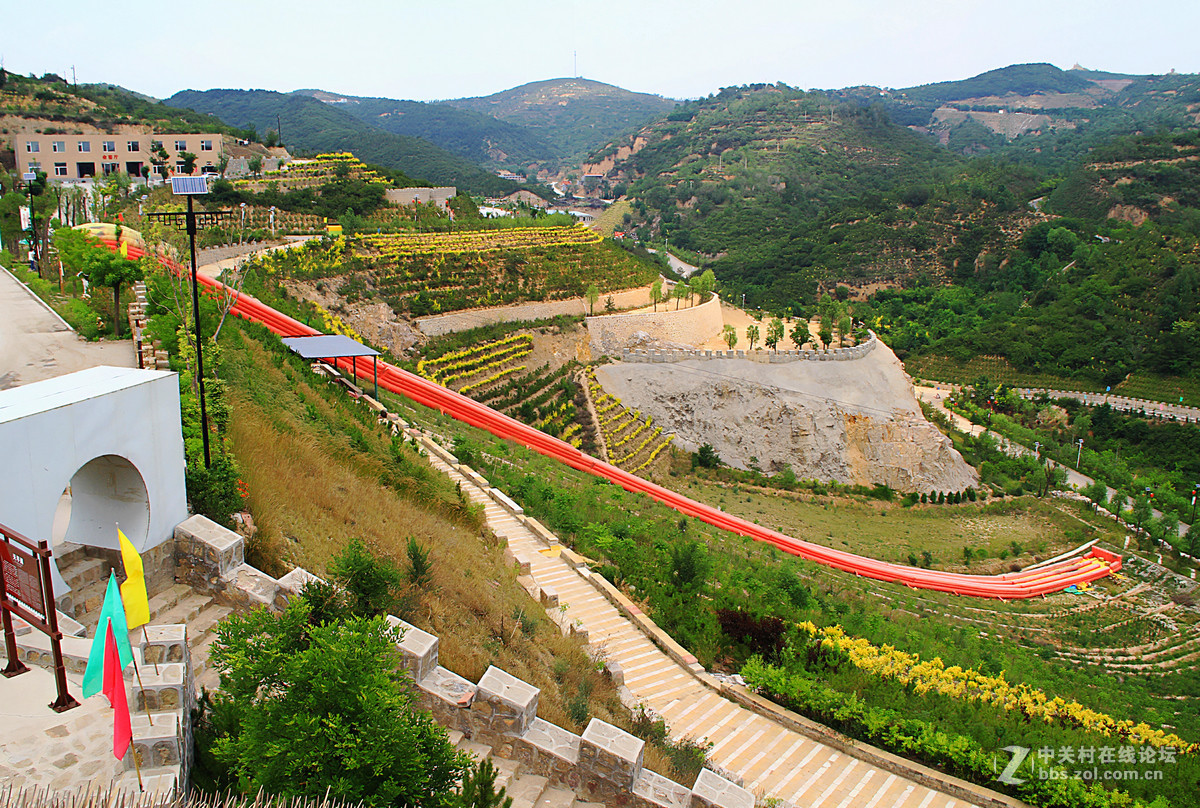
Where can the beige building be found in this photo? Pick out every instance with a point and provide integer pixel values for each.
(87, 152)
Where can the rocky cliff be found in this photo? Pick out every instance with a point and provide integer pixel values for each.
(853, 422)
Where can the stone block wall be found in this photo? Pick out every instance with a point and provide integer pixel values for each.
(610, 332)
(763, 356)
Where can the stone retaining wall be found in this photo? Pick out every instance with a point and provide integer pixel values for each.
(764, 357)
(602, 765)
(694, 326)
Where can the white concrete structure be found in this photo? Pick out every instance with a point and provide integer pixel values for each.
(114, 436)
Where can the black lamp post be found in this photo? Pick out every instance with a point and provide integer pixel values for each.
(30, 178)
(193, 222)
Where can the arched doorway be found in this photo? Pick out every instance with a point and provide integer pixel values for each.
(105, 492)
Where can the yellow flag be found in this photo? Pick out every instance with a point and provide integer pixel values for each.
(133, 591)
(124, 249)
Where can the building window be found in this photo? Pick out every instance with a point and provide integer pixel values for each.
(180, 167)
(35, 166)
(206, 145)
(133, 145)
(181, 145)
(32, 146)
(109, 168)
(110, 146)
(85, 145)
(60, 169)
(156, 144)
(58, 146)
(86, 169)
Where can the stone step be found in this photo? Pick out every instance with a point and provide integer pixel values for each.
(161, 603)
(84, 571)
(526, 790)
(162, 782)
(555, 798)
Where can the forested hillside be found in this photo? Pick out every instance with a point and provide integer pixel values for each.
(1086, 272)
(478, 137)
(312, 126)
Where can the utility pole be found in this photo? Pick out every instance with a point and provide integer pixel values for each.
(1078, 454)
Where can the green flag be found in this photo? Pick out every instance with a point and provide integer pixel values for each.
(112, 610)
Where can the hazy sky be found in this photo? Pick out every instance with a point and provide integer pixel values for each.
(453, 48)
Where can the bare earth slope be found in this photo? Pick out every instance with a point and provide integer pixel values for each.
(856, 421)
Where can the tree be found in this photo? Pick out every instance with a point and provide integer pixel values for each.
(844, 327)
(752, 335)
(479, 789)
(255, 165)
(1167, 527)
(1191, 541)
(707, 457)
(774, 334)
(370, 582)
(730, 335)
(800, 333)
(189, 162)
(680, 291)
(311, 709)
(1141, 511)
(592, 294)
(103, 267)
(656, 292)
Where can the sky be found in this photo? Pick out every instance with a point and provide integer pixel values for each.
(440, 49)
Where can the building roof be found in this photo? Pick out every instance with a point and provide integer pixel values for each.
(61, 391)
(328, 346)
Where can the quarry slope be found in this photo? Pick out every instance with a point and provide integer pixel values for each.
(855, 422)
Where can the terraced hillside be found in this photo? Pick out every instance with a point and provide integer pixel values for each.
(431, 273)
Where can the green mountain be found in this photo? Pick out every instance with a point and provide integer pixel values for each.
(477, 137)
(312, 126)
(574, 115)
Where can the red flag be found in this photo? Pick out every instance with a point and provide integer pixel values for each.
(114, 688)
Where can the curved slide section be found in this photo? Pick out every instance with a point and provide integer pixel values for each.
(1026, 584)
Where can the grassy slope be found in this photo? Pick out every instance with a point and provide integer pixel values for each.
(313, 484)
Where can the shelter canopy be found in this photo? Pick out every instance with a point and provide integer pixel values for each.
(328, 346)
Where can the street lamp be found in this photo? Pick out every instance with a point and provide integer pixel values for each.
(1195, 488)
(192, 186)
(30, 178)
(1037, 449)
(1078, 454)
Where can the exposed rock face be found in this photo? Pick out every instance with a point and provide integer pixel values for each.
(853, 422)
(375, 321)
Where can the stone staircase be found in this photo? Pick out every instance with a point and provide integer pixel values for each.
(528, 790)
(767, 757)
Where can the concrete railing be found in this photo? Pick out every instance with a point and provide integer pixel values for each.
(762, 356)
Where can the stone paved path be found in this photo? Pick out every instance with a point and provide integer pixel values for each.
(771, 760)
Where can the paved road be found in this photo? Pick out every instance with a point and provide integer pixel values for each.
(1152, 409)
(936, 397)
(35, 344)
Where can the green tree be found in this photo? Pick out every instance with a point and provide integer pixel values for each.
(844, 327)
(680, 291)
(189, 162)
(774, 334)
(255, 165)
(103, 267)
(707, 457)
(752, 335)
(800, 333)
(592, 294)
(370, 582)
(479, 789)
(1141, 511)
(311, 709)
(730, 335)
(420, 568)
(656, 292)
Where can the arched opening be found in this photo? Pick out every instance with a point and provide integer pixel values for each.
(105, 492)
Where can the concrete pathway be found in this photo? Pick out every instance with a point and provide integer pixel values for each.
(771, 760)
(36, 344)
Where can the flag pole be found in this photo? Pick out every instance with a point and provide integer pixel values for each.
(146, 637)
(137, 767)
(142, 688)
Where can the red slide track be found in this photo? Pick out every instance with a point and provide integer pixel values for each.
(1095, 564)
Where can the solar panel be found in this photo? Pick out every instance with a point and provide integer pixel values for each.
(189, 185)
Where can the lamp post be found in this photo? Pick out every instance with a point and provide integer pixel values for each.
(1195, 488)
(192, 222)
(1078, 454)
(30, 178)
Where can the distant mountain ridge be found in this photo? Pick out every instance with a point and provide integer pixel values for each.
(473, 135)
(575, 115)
(311, 125)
